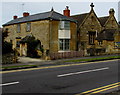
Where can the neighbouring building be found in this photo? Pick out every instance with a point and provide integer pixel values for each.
(56, 32)
(97, 35)
(65, 33)
(1, 33)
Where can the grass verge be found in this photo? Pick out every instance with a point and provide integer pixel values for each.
(21, 66)
(94, 59)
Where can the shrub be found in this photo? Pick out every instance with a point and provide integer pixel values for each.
(6, 47)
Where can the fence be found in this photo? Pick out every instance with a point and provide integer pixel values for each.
(54, 56)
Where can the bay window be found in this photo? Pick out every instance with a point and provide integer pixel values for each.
(64, 44)
(64, 25)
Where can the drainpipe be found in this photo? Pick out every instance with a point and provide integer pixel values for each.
(96, 33)
(50, 29)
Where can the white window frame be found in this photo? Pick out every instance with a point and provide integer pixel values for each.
(18, 44)
(91, 38)
(100, 42)
(28, 26)
(64, 48)
(18, 28)
(64, 25)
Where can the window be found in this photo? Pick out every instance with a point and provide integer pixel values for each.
(18, 44)
(18, 39)
(91, 37)
(6, 29)
(64, 44)
(64, 25)
(28, 27)
(18, 28)
(117, 44)
(100, 43)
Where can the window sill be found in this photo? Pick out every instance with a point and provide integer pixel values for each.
(27, 31)
(64, 51)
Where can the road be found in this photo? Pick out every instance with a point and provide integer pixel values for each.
(74, 79)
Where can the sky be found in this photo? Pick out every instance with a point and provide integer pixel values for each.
(9, 8)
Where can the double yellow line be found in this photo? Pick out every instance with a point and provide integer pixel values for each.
(100, 89)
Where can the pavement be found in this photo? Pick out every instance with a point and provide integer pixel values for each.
(39, 62)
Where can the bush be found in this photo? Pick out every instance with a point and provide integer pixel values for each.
(7, 58)
(6, 48)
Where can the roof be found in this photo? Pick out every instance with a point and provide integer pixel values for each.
(80, 18)
(107, 34)
(40, 16)
(27, 38)
(103, 19)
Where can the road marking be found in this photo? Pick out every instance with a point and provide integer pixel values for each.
(68, 74)
(100, 89)
(105, 89)
(9, 83)
(55, 66)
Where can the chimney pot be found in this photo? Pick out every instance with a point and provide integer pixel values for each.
(25, 14)
(67, 7)
(15, 17)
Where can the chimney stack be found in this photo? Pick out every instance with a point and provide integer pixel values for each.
(15, 17)
(25, 14)
(66, 12)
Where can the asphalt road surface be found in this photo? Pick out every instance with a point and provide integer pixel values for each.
(74, 79)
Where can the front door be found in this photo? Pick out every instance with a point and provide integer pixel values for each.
(92, 51)
(24, 50)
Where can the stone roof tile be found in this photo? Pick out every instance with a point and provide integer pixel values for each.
(80, 18)
(103, 19)
(40, 16)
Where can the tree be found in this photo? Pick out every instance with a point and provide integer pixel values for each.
(6, 46)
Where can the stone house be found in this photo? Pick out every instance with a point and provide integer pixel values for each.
(65, 33)
(97, 35)
(56, 32)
